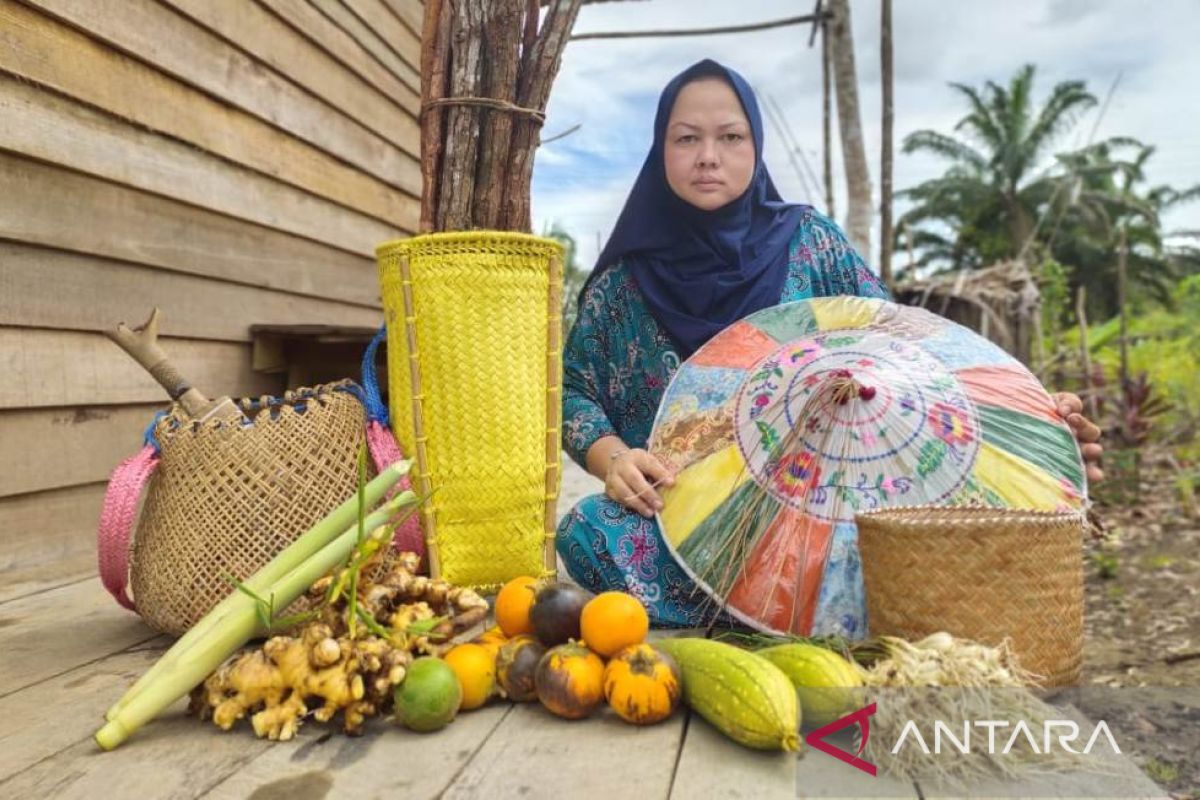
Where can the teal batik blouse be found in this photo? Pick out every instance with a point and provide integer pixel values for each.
(619, 360)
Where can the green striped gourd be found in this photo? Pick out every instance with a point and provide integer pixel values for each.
(824, 681)
(746, 697)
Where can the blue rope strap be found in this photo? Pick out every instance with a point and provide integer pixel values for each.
(148, 438)
(376, 410)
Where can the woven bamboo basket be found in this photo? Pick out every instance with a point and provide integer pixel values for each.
(475, 371)
(984, 574)
(227, 498)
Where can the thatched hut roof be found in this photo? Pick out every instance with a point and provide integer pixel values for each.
(1000, 302)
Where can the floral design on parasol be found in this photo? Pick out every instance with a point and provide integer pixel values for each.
(788, 423)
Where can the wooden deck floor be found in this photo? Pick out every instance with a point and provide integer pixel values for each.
(68, 652)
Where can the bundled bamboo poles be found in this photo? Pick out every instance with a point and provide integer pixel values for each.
(487, 67)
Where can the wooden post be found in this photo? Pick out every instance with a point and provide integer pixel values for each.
(885, 167)
(1122, 303)
(457, 190)
(1085, 355)
(487, 69)
(826, 122)
(435, 56)
(539, 66)
(553, 410)
(533, 10)
(672, 33)
(501, 59)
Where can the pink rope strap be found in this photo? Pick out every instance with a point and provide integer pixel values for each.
(385, 451)
(116, 521)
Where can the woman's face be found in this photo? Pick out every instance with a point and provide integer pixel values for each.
(709, 149)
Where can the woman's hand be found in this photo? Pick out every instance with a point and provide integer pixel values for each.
(1087, 433)
(631, 478)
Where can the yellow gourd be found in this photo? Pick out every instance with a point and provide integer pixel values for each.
(828, 685)
(746, 697)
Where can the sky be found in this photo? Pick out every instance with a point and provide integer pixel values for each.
(610, 89)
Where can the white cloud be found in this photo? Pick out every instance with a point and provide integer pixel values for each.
(610, 87)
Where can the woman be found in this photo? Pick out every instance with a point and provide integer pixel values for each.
(703, 241)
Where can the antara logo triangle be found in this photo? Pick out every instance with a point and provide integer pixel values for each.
(862, 718)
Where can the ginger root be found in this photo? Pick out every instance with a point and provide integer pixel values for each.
(402, 597)
(277, 683)
(398, 598)
(325, 667)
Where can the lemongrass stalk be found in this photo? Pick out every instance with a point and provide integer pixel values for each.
(258, 586)
(235, 628)
(352, 621)
(260, 582)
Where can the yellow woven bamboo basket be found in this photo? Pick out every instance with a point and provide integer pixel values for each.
(985, 574)
(475, 373)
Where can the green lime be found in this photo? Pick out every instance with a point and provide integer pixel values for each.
(429, 697)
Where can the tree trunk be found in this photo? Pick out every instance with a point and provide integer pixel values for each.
(885, 166)
(854, 152)
(1020, 225)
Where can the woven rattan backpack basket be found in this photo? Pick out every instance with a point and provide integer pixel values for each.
(230, 484)
(475, 370)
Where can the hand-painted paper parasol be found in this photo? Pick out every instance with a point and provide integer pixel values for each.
(788, 423)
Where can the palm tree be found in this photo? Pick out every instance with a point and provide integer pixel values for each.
(997, 184)
(1103, 208)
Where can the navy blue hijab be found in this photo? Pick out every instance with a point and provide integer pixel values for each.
(701, 270)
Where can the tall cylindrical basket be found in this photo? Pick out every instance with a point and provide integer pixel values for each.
(475, 374)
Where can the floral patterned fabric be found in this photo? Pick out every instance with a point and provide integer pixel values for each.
(616, 367)
(605, 547)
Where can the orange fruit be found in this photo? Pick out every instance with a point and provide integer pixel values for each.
(613, 621)
(475, 667)
(493, 639)
(513, 604)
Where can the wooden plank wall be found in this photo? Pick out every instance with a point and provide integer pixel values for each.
(233, 162)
